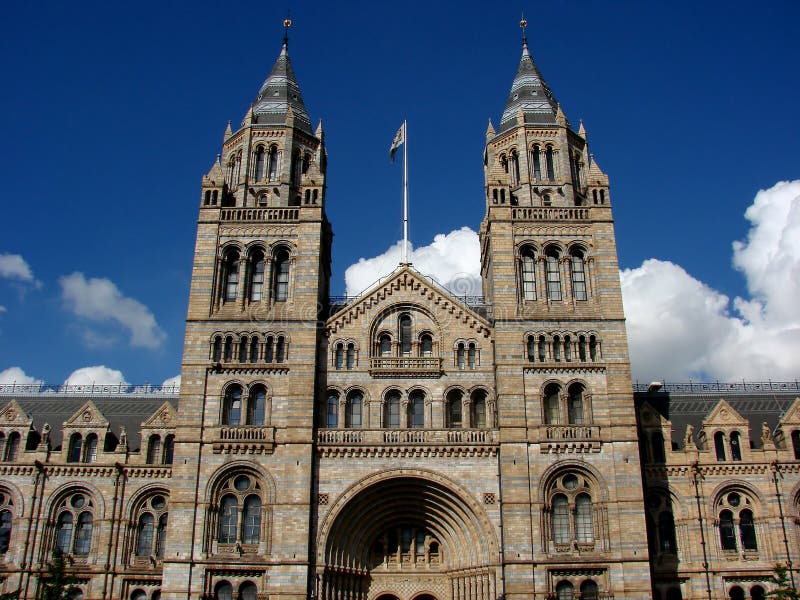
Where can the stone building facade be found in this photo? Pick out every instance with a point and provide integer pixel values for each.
(407, 444)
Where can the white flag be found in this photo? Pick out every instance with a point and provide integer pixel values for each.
(399, 139)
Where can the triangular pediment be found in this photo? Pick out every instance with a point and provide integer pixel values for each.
(87, 415)
(163, 418)
(407, 285)
(650, 418)
(724, 414)
(792, 415)
(12, 415)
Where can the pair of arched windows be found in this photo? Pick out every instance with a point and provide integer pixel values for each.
(10, 447)
(159, 453)
(415, 410)
(538, 155)
(558, 348)
(565, 409)
(234, 170)
(211, 197)
(469, 414)
(142, 595)
(238, 410)
(224, 591)
(266, 163)
(756, 593)
(80, 450)
(151, 529)
(74, 525)
(733, 442)
(353, 410)
(466, 355)
(552, 267)
(673, 593)
(599, 196)
(571, 511)
(565, 590)
(344, 356)
(239, 514)
(231, 271)
(737, 530)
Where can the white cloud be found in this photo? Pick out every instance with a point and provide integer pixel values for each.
(678, 327)
(453, 259)
(13, 266)
(17, 375)
(99, 300)
(98, 375)
(3, 309)
(172, 381)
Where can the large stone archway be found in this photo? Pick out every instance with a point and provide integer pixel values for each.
(407, 534)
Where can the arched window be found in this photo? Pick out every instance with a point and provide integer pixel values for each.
(552, 414)
(578, 275)
(139, 595)
(796, 444)
(479, 409)
(391, 410)
(551, 170)
(560, 519)
(460, 351)
(273, 163)
(542, 349)
(169, 449)
(216, 353)
(257, 406)
(83, 534)
(351, 357)
(736, 447)
(254, 348)
(228, 356)
(228, 515)
(248, 591)
(405, 334)
(5, 529)
(736, 593)
(556, 348)
(416, 409)
(528, 273)
(589, 590)
(332, 410)
(231, 275)
(355, 402)
(571, 510)
(75, 446)
(280, 349)
(261, 156)
(567, 349)
(565, 591)
(536, 159)
(727, 535)
(385, 345)
(154, 450)
(257, 276)
(161, 535)
(666, 533)
(584, 531)
(594, 348)
(243, 349)
(223, 591)
(757, 593)
(582, 354)
(64, 532)
(454, 409)
(514, 168)
(575, 407)
(232, 408)
(553, 274)
(251, 520)
(426, 345)
(747, 530)
(471, 355)
(719, 445)
(530, 346)
(12, 447)
(280, 291)
(146, 531)
(504, 163)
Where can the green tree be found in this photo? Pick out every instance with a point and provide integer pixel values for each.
(57, 584)
(784, 590)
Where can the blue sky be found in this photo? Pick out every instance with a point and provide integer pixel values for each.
(112, 113)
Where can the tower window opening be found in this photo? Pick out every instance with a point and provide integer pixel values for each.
(736, 446)
(280, 349)
(254, 348)
(243, 349)
(528, 260)
(426, 345)
(556, 349)
(351, 357)
(536, 159)
(228, 349)
(355, 400)
(339, 357)
(578, 276)
(531, 348)
(553, 274)
(269, 350)
(257, 276)
(273, 163)
(260, 163)
(471, 356)
(567, 349)
(460, 355)
(542, 349)
(594, 348)
(582, 348)
(549, 163)
(281, 277)
(231, 275)
(216, 353)
(454, 409)
(385, 345)
(391, 410)
(416, 410)
(332, 410)
(719, 446)
(207, 199)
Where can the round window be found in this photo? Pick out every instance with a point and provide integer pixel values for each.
(241, 483)
(734, 499)
(570, 482)
(158, 502)
(78, 501)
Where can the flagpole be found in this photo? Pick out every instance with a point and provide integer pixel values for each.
(405, 193)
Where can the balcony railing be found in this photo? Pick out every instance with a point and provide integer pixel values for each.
(247, 434)
(572, 432)
(551, 213)
(273, 215)
(408, 366)
(370, 437)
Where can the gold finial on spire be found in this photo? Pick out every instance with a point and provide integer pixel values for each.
(523, 23)
(287, 22)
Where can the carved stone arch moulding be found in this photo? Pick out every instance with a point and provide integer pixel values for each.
(736, 485)
(17, 499)
(65, 489)
(564, 466)
(244, 467)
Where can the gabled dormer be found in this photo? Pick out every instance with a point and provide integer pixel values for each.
(15, 425)
(726, 433)
(787, 434)
(158, 436)
(87, 435)
(656, 435)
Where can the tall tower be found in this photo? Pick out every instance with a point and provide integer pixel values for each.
(240, 502)
(564, 401)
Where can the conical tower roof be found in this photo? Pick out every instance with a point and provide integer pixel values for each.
(280, 92)
(530, 95)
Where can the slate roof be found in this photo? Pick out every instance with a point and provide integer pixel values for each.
(682, 408)
(128, 410)
(531, 94)
(279, 92)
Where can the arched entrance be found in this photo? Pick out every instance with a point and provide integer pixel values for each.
(407, 536)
